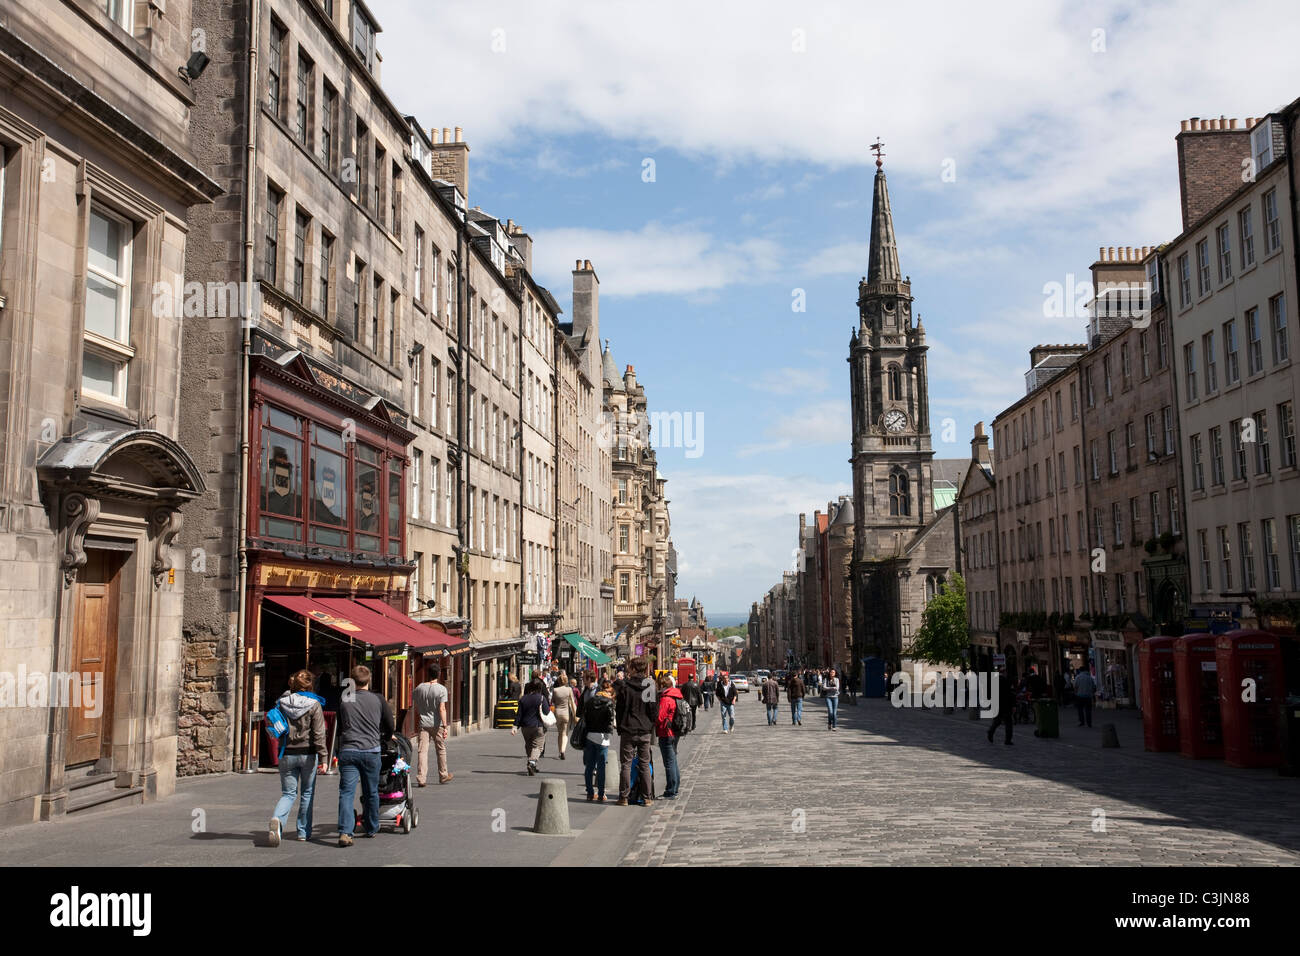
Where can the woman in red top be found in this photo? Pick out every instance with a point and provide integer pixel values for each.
(670, 698)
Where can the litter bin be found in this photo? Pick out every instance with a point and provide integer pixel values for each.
(1047, 718)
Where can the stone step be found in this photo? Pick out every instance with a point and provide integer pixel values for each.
(98, 791)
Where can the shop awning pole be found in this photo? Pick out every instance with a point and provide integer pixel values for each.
(306, 661)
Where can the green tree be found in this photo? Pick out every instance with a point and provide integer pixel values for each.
(944, 634)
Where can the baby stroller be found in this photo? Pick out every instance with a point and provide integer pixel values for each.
(396, 807)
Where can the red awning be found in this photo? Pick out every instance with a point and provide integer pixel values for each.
(357, 621)
(430, 637)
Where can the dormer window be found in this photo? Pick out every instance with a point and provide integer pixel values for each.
(1261, 144)
(363, 36)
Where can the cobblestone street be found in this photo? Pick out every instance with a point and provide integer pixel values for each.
(906, 787)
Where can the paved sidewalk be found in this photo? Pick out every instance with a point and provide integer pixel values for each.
(484, 817)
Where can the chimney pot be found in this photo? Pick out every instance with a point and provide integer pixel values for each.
(577, 265)
(1101, 253)
(1185, 126)
(1232, 124)
(458, 134)
(586, 264)
(446, 134)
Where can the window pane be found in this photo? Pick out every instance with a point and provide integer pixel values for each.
(99, 374)
(367, 503)
(102, 306)
(328, 476)
(105, 244)
(281, 478)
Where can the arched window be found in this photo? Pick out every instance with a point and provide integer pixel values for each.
(895, 383)
(899, 499)
(933, 586)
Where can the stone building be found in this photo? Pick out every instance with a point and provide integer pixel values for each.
(904, 542)
(1230, 286)
(1130, 422)
(99, 187)
(593, 613)
(977, 515)
(1043, 531)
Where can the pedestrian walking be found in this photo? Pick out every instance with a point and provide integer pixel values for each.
(431, 705)
(589, 689)
(727, 702)
(670, 698)
(1006, 707)
(303, 755)
(514, 690)
(364, 722)
(693, 697)
(794, 692)
(599, 719)
(1085, 688)
(636, 710)
(831, 691)
(530, 719)
(707, 689)
(565, 708)
(771, 698)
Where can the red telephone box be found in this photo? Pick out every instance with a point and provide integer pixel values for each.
(685, 670)
(1200, 732)
(1250, 667)
(1159, 694)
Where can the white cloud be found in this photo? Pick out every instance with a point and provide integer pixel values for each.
(790, 381)
(657, 258)
(822, 423)
(735, 534)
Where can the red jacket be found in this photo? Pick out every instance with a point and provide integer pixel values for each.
(664, 725)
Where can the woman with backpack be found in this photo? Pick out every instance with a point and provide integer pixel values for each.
(599, 724)
(533, 709)
(670, 699)
(302, 756)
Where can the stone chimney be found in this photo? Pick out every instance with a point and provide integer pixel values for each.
(1210, 156)
(629, 379)
(979, 446)
(586, 300)
(449, 158)
(522, 242)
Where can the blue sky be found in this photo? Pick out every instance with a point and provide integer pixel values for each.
(1016, 143)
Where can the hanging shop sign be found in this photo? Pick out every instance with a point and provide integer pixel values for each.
(1110, 640)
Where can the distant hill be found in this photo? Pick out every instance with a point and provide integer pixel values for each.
(722, 619)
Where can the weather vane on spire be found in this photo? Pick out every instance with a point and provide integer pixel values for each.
(876, 148)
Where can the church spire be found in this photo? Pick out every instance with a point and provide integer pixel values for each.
(882, 257)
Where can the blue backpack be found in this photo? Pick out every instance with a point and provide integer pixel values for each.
(277, 724)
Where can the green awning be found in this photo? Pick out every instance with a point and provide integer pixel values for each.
(586, 648)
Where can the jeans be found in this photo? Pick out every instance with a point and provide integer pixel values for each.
(728, 712)
(1084, 706)
(358, 766)
(832, 708)
(672, 776)
(593, 764)
(796, 711)
(771, 713)
(708, 700)
(297, 778)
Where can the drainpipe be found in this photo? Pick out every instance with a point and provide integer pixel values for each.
(240, 549)
(462, 426)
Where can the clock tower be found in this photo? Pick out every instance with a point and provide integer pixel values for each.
(899, 541)
(890, 394)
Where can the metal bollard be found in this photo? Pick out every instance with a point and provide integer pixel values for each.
(1109, 736)
(552, 808)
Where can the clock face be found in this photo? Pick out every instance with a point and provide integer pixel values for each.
(895, 421)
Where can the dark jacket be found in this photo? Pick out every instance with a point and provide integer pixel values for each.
(635, 714)
(692, 695)
(664, 721)
(709, 685)
(364, 721)
(531, 708)
(794, 689)
(727, 694)
(598, 715)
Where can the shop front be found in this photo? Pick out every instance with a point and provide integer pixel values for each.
(492, 663)
(329, 635)
(1114, 670)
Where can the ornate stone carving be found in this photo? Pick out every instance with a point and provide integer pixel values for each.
(79, 513)
(166, 525)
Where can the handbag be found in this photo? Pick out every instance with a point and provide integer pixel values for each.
(578, 738)
(548, 718)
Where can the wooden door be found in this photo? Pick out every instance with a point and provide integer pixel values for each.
(94, 656)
